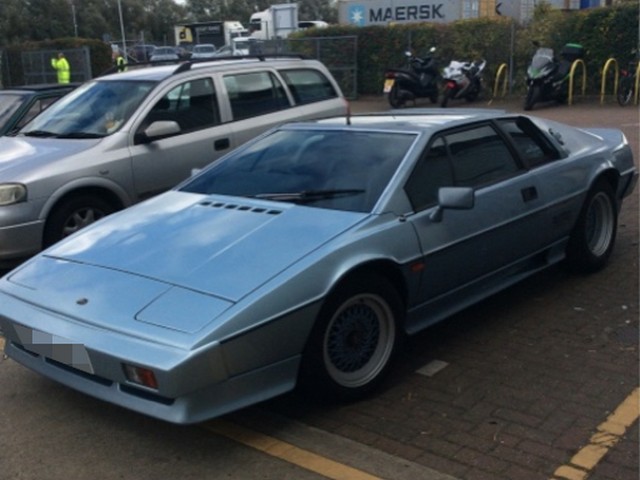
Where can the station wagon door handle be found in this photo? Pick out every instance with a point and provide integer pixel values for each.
(221, 144)
(529, 194)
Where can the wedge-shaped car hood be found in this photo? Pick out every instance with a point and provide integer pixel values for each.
(225, 247)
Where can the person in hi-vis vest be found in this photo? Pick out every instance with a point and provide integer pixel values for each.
(61, 66)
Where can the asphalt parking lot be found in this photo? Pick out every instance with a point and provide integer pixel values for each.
(538, 382)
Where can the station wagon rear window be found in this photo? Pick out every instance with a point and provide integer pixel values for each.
(308, 86)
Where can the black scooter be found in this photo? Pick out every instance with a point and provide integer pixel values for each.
(420, 80)
(548, 76)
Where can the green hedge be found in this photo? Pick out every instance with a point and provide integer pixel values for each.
(609, 32)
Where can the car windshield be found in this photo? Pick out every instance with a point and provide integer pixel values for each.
(342, 170)
(9, 103)
(96, 109)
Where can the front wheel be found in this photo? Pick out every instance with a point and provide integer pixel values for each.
(74, 214)
(625, 92)
(533, 96)
(354, 339)
(592, 239)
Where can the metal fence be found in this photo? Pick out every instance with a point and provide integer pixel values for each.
(37, 69)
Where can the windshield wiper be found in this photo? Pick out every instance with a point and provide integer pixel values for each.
(308, 196)
(80, 135)
(39, 133)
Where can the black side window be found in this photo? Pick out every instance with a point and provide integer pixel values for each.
(192, 104)
(534, 148)
(432, 171)
(308, 85)
(480, 156)
(253, 94)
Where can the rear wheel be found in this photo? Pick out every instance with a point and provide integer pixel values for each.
(354, 339)
(594, 234)
(446, 95)
(72, 215)
(625, 92)
(395, 99)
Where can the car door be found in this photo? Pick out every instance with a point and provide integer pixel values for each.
(472, 250)
(257, 101)
(160, 163)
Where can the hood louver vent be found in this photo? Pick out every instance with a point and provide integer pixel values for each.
(240, 208)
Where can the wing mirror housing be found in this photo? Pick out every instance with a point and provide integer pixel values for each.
(161, 129)
(453, 198)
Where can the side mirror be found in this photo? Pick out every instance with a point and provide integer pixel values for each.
(162, 128)
(454, 198)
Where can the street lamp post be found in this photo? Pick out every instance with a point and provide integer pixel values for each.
(124, 42)
(75, 23)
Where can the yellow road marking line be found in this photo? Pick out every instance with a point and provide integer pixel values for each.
(608, 434)
(288, 452)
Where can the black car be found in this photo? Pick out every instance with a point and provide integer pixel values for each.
(18, 105)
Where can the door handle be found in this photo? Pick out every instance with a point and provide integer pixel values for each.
(529, 194)
(221, 144)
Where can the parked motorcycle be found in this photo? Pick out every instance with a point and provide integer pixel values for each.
(419, 80)
(462, 80)
(548, 77)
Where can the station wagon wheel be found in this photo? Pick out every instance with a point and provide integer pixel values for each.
(354, 340)
(74, 214)
(594, 234)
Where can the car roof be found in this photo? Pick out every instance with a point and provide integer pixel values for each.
(414, 119)
(149, 71)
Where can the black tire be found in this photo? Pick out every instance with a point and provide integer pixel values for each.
(74, 214)
(593, 237)
(446, 95)
(473, 96)
(533, 96)
(395, 99)
(625, 91)
(353, 341)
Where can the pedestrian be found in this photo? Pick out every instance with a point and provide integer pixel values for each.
(61, 66)
(120, 62)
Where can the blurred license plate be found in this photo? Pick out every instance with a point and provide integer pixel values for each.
(388, 85)
(56, 348)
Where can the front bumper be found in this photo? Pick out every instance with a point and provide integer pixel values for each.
(194, 385)
(20, 241)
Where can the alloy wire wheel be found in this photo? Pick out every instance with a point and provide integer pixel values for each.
(593, 237)
(354, 340)
(359, 340)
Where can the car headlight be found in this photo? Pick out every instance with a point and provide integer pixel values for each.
(11, 193)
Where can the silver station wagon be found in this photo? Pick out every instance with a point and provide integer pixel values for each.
(128, 136)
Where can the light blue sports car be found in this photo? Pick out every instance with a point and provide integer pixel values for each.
(304, 257)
